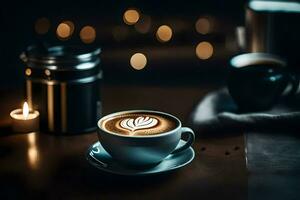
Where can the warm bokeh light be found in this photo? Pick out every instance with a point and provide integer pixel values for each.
(63, 30)
(42, 25)
(164, 33)
(87, 34)
(203, 26)
(138, 61)
(47, 72)
(131, 16)
(28, 72)
(71, 25)
(143, 25)
(204, 50)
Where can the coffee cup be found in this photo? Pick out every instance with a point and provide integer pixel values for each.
(142, 137)
(257, 80)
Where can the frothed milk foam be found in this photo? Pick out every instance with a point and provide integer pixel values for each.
(139, 123)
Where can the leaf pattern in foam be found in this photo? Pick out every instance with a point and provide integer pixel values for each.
(138, 123)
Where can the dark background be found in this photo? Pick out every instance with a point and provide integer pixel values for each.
(176, 63)
(59, 168)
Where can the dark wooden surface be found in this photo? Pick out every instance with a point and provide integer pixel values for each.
(273, 162)
(40, 165)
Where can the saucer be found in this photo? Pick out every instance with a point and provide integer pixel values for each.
(99, 158)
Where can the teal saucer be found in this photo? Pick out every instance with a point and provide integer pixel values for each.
(99, 158)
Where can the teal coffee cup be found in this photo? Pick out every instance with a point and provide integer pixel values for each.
(142, 137)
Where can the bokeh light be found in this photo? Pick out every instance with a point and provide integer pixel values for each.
(164, 33)
(87, 34)
(28, 71)
(131, 16)
(138, 61)
(204, 50)
(42, 25)
(203, 26)
(143, 25)
(64, 30)
(47, 72)
(71, 25)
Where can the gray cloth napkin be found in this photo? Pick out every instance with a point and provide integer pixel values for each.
(217, 113)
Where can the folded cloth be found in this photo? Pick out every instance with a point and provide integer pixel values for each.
(217, 113)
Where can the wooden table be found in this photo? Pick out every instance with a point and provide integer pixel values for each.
(54, 167)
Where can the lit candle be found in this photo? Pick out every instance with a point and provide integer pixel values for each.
(25, 120)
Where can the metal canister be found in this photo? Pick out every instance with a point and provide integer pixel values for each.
(62, 83)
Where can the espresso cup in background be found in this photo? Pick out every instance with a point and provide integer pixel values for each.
(257, 80)
(142, 137)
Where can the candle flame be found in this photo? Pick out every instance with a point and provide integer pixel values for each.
(25, 110)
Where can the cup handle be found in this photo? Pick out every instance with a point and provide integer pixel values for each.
(294, 80)
(189, 142)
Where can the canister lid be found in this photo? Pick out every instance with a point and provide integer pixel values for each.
(61, 62)
(60, 54)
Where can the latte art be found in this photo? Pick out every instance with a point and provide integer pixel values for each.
(138, 123)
